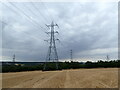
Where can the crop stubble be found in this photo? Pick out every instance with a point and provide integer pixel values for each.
(78, 78)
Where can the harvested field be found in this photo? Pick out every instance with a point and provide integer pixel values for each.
(78, 78)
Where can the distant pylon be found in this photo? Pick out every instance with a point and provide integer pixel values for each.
(71, 55)
(52, 55)
(107, 58)
(14, 59)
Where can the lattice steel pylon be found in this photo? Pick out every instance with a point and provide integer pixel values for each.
(71, 55)
(14, 59)
(52, 55)
(107, 58)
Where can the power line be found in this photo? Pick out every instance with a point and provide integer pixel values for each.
(20, 13)
(50, 15)
(30, 10)
(28, 19)
(47, 11)
(17, 13)
(4, 23)
(38, 11)
(33, 10)
(26, 15)
(9, 8)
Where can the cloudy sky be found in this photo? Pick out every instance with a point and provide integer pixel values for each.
(90, 29)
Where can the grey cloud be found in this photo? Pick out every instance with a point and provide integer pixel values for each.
(83, 27)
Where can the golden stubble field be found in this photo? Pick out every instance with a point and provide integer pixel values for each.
(78, 78)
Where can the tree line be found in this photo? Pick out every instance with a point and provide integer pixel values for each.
(62, 65)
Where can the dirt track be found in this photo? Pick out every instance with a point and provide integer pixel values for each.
(79, 78)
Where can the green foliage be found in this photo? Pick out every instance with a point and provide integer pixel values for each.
(13, 68)
(62, 65)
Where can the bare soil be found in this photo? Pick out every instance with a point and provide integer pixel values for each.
(77, 78)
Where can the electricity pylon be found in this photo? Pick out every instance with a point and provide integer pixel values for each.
(71, 57)
(52, 55)
(14, 59)
(107, 57)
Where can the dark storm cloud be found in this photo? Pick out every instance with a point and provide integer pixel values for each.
(88, 28)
